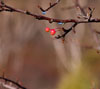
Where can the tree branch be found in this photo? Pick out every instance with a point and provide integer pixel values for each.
(10, 84)
(51, 6)
(4, 7)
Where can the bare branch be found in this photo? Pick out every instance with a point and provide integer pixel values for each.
(4, 7)
(91, 12)
(51, 6)
(66, 31)
(78, 5)
(10, 84)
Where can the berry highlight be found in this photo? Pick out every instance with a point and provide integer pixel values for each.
(52, 31)
(47, 29)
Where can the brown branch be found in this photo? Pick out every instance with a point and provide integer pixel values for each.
(4, 7)
(66, 31)
(6, 80)
(89, 17)
(78, 5)
(90, 14)
(51, 6)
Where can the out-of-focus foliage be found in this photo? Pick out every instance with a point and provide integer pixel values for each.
(81, 79)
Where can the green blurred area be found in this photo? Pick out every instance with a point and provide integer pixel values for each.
(79, 80)
(87, 76)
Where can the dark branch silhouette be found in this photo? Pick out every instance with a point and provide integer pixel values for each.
(51, 6)
(88, 19)
(10, 83)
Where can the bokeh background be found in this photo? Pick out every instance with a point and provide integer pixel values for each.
(37, 60)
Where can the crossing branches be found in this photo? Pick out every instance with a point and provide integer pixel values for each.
(75, 22)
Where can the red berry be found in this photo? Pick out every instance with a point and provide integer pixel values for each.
(52, 31)
(47, 29)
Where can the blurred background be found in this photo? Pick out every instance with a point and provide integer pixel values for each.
(37, 60)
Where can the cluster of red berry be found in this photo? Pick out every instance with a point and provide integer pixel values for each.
(52, 31)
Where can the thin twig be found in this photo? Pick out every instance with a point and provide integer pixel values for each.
(66, 31)
(4, 7)
(51, 6)
(11, 82)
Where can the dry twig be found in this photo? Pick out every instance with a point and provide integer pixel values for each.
(10, 84)
(4, 7)
(51, 6)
